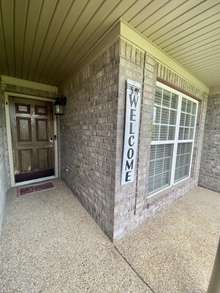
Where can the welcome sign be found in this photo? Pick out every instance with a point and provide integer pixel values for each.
(131, 131)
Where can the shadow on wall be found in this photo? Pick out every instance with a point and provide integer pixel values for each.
(209, 176)
(4, 178)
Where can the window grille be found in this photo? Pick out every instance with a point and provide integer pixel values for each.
(173, 133)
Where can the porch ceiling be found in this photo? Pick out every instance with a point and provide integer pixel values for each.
(45, 40)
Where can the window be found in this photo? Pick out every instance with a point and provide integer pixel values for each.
(173, 132)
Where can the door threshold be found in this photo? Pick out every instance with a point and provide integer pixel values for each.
(34, 181)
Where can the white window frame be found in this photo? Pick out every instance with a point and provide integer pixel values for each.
(176, 141)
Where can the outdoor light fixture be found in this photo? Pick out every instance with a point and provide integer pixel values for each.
(59, 104)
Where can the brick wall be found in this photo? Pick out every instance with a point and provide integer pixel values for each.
(210, 166)
(92, 131)
(132, 203)
(88, 135)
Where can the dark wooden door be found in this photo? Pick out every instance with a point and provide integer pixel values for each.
(32, 128)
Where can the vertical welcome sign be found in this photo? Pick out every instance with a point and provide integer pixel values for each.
(131, 130)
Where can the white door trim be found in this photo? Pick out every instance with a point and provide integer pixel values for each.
(9, 139)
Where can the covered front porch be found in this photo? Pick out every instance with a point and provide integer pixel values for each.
(117, 103)
(51, 244)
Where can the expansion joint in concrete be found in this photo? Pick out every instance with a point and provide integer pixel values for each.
(133, 269)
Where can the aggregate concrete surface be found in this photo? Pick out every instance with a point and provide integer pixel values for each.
(51, 244)
(175, 250)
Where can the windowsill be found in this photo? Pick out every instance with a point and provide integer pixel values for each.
(164, 190)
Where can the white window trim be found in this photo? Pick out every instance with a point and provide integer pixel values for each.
(176, 141)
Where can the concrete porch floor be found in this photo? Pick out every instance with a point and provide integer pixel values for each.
(174, 251)
(51, 244)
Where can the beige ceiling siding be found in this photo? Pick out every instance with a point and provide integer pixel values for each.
(111, 18)
(67, 27)
(46, 17)
(147, 12)
(214, 90)
(192, 27)
(8, 27)
(138, 6)
(201, 49)
(87, 35)
(208, 62)
(211, 79)
(44, 40)
(33, 19)
(191, 45)
(4, 60)
(21, 13)
(179, 22)
(164, 13)
(60, 14)
(203, 57)
(89, 12)
(213, 66)
(49, 51)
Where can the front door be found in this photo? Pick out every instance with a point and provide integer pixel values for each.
(32, 129)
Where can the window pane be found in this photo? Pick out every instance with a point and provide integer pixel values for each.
(181, 133)
(183, 160)
(189, 106)
(187, 119)
(191, 133)
(160, 166)
(158, 96)
(155, 132)
(187, 122)
(194, 109)
(186, 134)
(163, 132)
(157, 111)
(184, 105)
(172, 117)
(171, 133)
(182, 119)
(165, 114)
(174, 101)
(166, 98)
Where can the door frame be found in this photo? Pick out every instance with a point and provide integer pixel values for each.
(9, 139)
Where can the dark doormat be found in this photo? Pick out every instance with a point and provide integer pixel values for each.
(34, 188)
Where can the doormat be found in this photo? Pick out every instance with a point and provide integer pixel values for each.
(34, 188)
